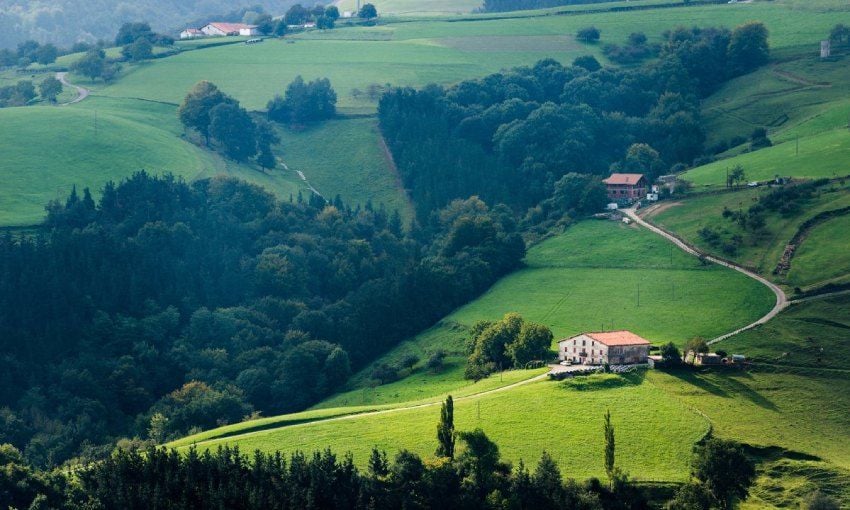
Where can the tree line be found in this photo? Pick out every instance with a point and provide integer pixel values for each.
(466, 473)
(512, 136)
(164, 307)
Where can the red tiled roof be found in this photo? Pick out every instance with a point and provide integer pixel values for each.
(623, 179)
(231, 27)
(616, 338)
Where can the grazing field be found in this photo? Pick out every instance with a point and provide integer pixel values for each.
(761, 251)
(653, 441)
(416, 8)
(95, 142)
(583, 280)
(419, 52)
(801, 97)
(346, 157)
(821, 155)
(809, 335)
(824, 255)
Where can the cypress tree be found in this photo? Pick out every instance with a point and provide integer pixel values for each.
(609, 446)
(446, 430)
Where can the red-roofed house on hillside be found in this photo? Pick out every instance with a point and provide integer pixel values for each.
(613, 347)
(222, 29)
(626, 187)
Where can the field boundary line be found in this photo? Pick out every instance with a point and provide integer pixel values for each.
(781, 299)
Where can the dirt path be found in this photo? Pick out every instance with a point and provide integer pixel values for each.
(82, 93)
(781, 299)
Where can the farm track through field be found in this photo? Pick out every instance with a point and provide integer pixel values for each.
(781, 299)
(353, 415)
(82, 93)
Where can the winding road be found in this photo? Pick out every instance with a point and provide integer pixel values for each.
(781, 299)
(82, 93)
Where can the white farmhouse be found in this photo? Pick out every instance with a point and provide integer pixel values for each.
(223, 29)
(613, 347)
(191, 33)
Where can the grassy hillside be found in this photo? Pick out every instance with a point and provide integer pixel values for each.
(824, 255)
(583, 280)
(653, 442)
(821, 155)
(94, 142)
(416, 53)
(760, 251)
(346, 157)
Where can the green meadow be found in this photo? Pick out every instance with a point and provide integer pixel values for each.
(586, 279)
(97, 141)
(824, 255)
(822, 155)
(346, 157)
(653, 440)
(420, 52)
(762, 251)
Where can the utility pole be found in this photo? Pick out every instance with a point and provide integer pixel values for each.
(797, 150)
(638, 295)
(95, 123)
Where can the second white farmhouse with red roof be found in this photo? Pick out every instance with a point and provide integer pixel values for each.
(613, 347)
(223, 29)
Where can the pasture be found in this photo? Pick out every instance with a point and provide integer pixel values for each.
(762, 251)
(346, 157)
(824, 255)
(97, 141)
(653, 442)
(419, 52)
(586, 279)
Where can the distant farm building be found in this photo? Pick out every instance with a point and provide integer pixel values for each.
(217, 29)
(626, 187)
(191, 33)
(613, 347)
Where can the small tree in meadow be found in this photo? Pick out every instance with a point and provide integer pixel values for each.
(588, 34)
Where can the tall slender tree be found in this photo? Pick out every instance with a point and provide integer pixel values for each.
(608, 429)
(446, 430)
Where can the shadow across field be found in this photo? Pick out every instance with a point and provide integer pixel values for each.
(725, 385)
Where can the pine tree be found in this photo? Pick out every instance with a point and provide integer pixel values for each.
(446, 430)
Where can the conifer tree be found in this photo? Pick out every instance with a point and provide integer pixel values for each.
(446, 430)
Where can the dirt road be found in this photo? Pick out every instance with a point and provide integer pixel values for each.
(781, 299)
(82, 93)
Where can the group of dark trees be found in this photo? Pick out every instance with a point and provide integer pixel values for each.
(303, 103)
(21, 93)
(137, 41)
(323, 17)
(94, 65)
(225, 125)
(510, 137)
(167, 306)
(29, 52)
(510, 342)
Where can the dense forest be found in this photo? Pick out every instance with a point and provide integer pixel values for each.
(511, 137)
(65, 22)
(168, 306)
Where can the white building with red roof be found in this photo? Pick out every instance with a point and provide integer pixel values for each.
(613, 347)
(222, 29)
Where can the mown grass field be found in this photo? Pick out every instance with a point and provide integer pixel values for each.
(821, 155)
(346, 157)
(416, 53)
(46, 151)
(762, 252)
(653, 442)
(824, 255)
(583, 280)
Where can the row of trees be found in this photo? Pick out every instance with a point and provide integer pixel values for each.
(510, 137)
(29, 52)
(21, 93)
(166, 306)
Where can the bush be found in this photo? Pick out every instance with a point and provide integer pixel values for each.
(588, 34)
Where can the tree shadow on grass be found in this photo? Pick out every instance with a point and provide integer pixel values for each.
(720, 382)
